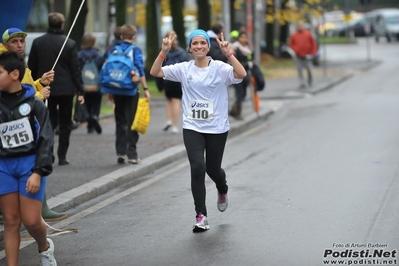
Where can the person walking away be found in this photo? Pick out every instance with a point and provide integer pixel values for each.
(25, 160)
(172, 89)
(67, 82)
(91, 61)
(205, 113)
(126, 99)
(214, 51)
(305, 48)
(14, 41)
(243, 53)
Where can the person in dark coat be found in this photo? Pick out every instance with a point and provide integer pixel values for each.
(67, 81)
(173, 92)
(214, 50)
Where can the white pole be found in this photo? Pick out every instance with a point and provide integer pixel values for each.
(66, 39)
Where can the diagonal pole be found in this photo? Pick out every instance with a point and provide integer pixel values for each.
(66, 39)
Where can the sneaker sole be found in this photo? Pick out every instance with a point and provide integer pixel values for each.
(198, 229)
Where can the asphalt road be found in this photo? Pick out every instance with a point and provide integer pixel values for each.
(314, 182)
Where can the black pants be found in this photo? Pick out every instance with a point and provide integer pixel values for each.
(126, 139)
(213, 145)
(93, 105)
(241, 89)
(60, 111)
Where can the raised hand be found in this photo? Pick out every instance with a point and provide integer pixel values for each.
(167, 42)
(224, 45)
(47, 77)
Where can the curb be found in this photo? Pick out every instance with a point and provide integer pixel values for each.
(77, 196)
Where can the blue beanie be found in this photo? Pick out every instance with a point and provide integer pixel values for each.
(199, 33)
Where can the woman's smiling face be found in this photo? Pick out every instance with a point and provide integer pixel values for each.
(199, 45)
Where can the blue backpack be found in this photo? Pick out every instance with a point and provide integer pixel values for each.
(116, 72)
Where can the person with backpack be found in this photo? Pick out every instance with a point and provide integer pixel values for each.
(119, 78)
(91, 61)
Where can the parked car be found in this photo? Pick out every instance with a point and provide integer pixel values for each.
(357, 27)
(385, 23)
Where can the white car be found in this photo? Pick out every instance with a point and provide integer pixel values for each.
(385, 23)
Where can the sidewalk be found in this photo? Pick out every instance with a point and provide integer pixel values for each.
(94, 170)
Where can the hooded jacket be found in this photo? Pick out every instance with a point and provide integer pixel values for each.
(28, 77)
(13, 118)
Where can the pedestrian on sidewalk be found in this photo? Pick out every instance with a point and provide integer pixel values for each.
(243, 52)
(92, 57)
(25, 160)
(205, 113)
(67, 83)
(215, 52)
(14, 41)
(126, 99)
(304, 45)
(173, 92)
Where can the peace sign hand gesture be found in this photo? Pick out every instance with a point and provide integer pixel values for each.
(224, 45)
(167, 42)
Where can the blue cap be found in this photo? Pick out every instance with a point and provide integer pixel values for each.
(13, 32)
(199, 33)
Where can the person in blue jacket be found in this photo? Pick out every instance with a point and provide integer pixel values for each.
(25, 160)
(173, 91)
(93, 98)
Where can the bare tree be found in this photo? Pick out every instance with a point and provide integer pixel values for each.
(79, 28)
(178, 21)
(120, 12)
(204, 14)
(152, 33)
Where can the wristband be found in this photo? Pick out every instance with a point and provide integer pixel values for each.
(145, 88)
(162, 56)
(229, 54)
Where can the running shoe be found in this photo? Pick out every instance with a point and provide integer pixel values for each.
(223, 202)
(121, 159)
(47, 257)
(201, 224)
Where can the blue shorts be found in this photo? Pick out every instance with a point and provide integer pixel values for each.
(15, 172)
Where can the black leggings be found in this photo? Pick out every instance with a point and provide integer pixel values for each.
(213, 145)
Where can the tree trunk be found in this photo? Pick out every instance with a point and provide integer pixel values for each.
(270, 29)
(152, 34)
(178, 21)
(204, 14)
(79, 28)
(120, 12)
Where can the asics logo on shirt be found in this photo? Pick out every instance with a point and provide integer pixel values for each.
(199, 105)
(12, 127)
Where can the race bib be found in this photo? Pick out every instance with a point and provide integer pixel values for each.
(201, 109)
(16, 133)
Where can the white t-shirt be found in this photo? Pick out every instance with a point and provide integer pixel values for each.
(205, 96)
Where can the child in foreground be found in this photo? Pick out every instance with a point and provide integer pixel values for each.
(25, 160)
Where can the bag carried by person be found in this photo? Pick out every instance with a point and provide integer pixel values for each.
(117, 72)
(142, 117)
(259, 78)
(90, 76)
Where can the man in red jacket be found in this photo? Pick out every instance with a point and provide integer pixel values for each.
(305, 48)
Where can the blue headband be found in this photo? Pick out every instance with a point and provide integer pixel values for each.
(199, 33)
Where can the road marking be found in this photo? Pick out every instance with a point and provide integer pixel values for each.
(26, 241)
